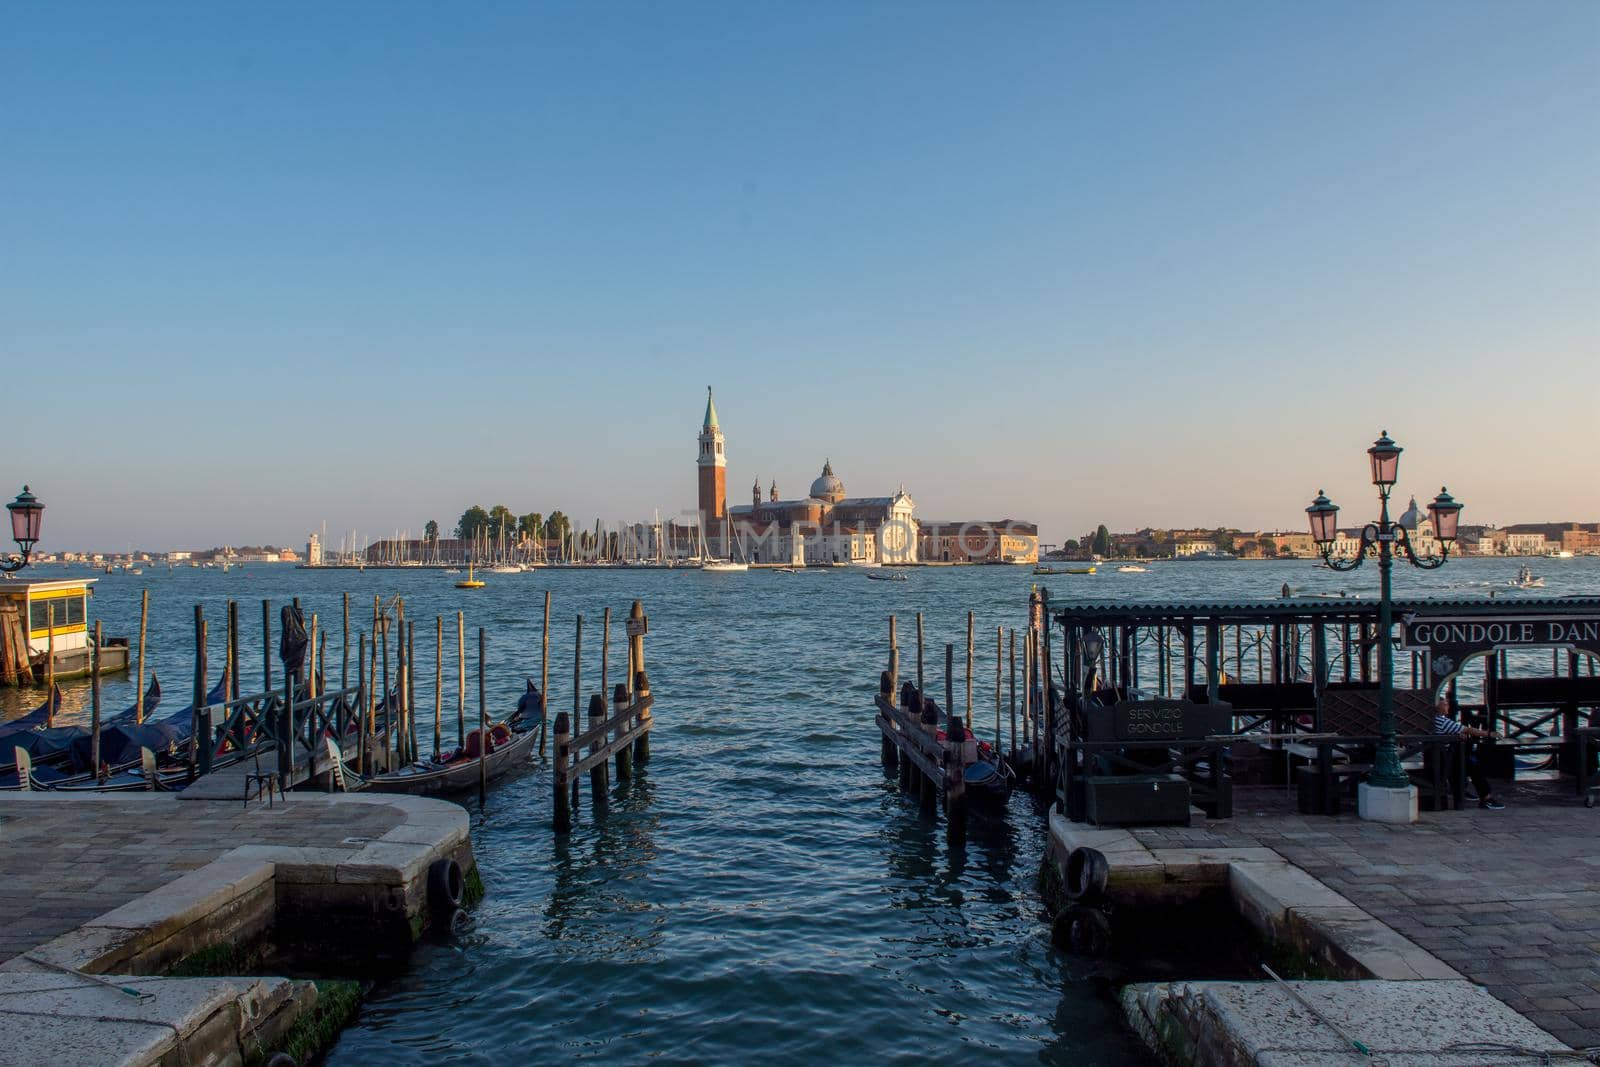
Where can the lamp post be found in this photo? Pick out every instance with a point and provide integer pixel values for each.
(27, 512)
(1387, 795)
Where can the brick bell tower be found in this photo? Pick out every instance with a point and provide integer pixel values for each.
(713, 473)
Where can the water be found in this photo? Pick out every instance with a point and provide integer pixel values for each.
(760, 889)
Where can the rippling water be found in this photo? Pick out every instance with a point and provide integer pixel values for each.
(760, 890)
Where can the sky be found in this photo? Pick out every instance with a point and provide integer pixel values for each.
(269, 266)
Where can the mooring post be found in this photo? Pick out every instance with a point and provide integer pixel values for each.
(887, 752)
(483, 722)
(389, 717)
(234, 637)
(919, 653)
(955, 780)
(286, 732)
(461, 680)
(906, 764)
(620, 701)
(544, 665)
(605, 651)
(949, 680)
(577, 691)
(1013, 636)
(199, 683)
(1027, 693)
(266, 646)
(138, 683)
(344, 667)
(970, 649)
(402, 682)
(438, 683)
(598, 774)
(363, 703)
(561, 822)
(928, 788)
(638, 626)
(94, 690)
(411, 688)
(999, 660)
(50, 658)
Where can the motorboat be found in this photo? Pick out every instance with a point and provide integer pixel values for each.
(1526, 579)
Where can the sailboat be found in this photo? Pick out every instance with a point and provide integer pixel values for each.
(469, 582)
(714, 564)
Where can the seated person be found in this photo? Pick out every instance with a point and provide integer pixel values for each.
(1445, 722)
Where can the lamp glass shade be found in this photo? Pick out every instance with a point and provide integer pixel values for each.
(1323, 515)
(1446, 514)
(27, 514)
(1385, 456)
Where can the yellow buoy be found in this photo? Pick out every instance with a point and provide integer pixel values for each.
(469, 582)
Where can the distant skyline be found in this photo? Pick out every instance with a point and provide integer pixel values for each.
(263, 267)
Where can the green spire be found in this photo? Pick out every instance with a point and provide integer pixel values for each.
(711, 411)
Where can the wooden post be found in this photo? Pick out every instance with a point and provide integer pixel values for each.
(956, 744)
(199, 684)
(919, 653)
(1013, 694)
(344, 666)
(577, 691)
(364, 710)
(888, 754)
(969, 671)
(411, 689)
(483, 723)
(50, 657)
(138, 684)
(388, 706)
(999, 648)
(402, 681)
(438, 682)
(94, 689)
(928, 791)
(1027, 693)
(638, 681)
(266, 646)
(311, 654)
(232, 692)
(620, 701)
(544, 666)
(461, 679)
(949, 680)
(605, 652)
(561, 822)
(598, 774)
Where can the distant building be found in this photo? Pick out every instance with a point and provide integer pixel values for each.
(979, 541)
(314, 551)
(1192, 547)
(1526, 544)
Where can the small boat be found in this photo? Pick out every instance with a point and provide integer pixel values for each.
(1132, 569)
(461, 769)
(1064, 570)
(506, 568)
(788, 570)
(1526, 579)
(452, 570)
(725, 565)
(886, 576)
(469, 582)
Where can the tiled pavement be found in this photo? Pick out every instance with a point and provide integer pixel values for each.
(66, 861)
(1511, 899)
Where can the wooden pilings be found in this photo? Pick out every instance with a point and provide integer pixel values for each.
(612, 732)
(138, 684)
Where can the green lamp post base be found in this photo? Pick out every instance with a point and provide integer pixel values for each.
(1393, 804)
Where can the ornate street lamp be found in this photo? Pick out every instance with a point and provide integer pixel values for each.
(1445, 512)
(27, 513)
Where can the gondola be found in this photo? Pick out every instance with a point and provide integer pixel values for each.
(510, 743)
(886, 576)
(35, 718)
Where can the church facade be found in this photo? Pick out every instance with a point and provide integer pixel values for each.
(824, 527)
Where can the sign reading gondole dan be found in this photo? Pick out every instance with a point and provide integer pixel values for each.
(1450, 640)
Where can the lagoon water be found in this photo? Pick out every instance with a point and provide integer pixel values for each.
(760, 890)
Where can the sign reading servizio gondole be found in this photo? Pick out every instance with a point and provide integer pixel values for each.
(1450, 640)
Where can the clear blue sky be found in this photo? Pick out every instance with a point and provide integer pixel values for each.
(265, 265)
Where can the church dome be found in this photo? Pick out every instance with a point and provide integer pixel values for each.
(1411, 516)
(828, 487)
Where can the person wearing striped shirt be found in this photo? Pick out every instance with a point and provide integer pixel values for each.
(1445, 723)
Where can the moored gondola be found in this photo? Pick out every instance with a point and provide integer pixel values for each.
(509, 744)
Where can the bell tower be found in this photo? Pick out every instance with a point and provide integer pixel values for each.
(712, 464)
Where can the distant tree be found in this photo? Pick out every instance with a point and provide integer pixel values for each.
(500, 518)
(531, 526)
(473, 520)
(1102, 541)
(430, 532)
(557, 526)
(1225, 540)
(1269, 547)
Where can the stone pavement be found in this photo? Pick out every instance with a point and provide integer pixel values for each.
(1511, 899)
(65, 861)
